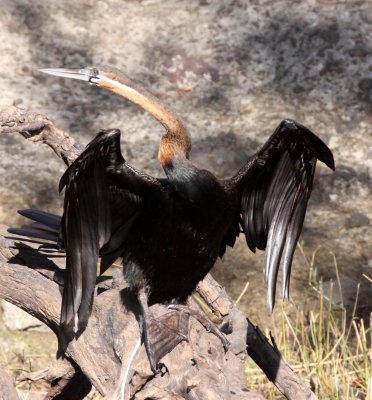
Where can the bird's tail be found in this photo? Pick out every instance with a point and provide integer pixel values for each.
(45, 226)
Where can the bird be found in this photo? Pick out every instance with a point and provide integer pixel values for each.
(170, 231)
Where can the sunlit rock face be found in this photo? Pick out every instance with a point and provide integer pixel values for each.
(232, 70)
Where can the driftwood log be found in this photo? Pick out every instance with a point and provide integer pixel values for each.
(32, 279)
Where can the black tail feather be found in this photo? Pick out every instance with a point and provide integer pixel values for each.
(46, 226)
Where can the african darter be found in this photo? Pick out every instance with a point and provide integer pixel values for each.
(170, 231)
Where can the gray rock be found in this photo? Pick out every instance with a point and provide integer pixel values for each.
(356, 220)
(342, 293)
(16, 319)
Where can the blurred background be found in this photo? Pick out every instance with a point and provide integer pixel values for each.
(232, 70)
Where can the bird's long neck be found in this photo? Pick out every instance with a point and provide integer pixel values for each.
(176, 143)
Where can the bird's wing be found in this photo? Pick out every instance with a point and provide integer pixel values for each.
(102, 198)
(274, 187)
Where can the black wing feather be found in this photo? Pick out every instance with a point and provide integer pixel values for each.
(274, 187)
(85, 228)
(100, 207)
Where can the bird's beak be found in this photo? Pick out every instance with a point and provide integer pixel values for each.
(86, 74)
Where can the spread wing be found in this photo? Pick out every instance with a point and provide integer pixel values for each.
(274, 188)
(102, 200)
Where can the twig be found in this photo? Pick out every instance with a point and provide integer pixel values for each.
(242, 293)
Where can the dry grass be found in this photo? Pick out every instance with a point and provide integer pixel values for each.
(27, 351)
(328, 348)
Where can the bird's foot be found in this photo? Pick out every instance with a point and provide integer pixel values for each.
(163, 334)
(204, 320)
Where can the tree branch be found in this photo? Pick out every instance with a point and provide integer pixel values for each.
(65, 380)
(38, 128)
(269, 359)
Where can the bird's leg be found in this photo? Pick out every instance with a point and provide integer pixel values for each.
(204, 320)
(145, 319)
(162, 334)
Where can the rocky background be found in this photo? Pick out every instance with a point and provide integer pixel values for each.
(233, 70)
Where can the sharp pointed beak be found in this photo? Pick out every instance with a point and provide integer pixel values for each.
(85, 74)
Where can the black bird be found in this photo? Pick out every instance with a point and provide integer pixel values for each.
(170, 231)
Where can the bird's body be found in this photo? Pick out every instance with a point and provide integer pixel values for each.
(170, 231)
(177, 238)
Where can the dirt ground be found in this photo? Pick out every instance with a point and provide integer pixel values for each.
(233, 70)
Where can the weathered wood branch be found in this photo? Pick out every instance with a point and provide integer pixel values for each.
(64, 379)
(38, 128)
(267, 356)
(197, 369)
